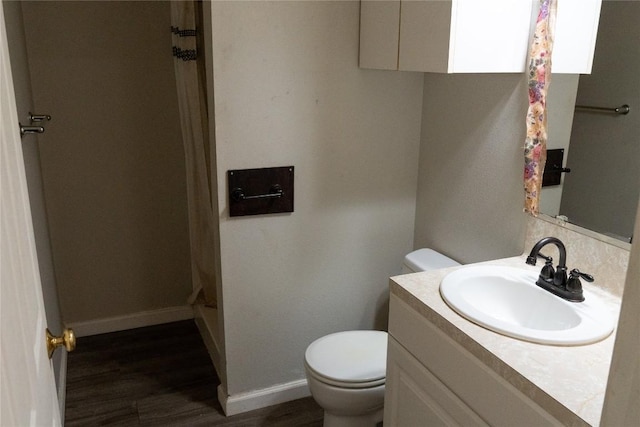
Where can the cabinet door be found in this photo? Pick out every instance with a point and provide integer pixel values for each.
(415, 397)
(379, 22)
(464, 36)
(575, 36)
(472, 36)
(425, 31)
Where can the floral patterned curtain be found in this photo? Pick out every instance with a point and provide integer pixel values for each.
(535, 149)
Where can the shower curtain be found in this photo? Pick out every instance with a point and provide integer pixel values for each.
(190, 82)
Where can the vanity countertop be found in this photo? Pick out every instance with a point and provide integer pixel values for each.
(568, 382)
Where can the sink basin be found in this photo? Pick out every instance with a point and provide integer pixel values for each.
(507, 300)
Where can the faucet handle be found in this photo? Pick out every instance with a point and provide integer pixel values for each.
(575, 273)
(574, 286)
(545, 258)
(548, 272)
(531, 260)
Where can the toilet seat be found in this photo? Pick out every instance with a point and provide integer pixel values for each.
(350, 359)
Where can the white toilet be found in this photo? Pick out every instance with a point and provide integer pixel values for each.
(346, 371)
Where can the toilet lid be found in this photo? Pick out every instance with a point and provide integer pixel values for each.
(349, 357)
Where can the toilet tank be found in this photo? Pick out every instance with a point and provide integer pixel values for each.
(426, 259)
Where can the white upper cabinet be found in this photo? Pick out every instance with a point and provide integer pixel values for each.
(472, 36)
(464, 36)
(575, 36)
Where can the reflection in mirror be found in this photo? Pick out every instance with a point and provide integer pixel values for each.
(601, 149)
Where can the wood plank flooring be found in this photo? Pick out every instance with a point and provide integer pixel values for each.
(159, 376)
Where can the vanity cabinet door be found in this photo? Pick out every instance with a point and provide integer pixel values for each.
(415, 397)
(466, 384)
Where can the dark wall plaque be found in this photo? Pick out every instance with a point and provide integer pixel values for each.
(260, 191)
(553, 169)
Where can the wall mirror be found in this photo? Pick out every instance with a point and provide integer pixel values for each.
(602, 148)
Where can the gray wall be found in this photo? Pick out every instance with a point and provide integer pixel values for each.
(623, 388)
(112, 157)
(288, 91)
(470, 188)
(601, 192)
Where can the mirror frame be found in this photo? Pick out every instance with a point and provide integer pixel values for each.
(585, 231)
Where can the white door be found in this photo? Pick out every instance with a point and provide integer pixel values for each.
(27, 386)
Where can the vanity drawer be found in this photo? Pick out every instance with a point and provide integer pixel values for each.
(488, 395)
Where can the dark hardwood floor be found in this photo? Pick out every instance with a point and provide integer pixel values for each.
(159, 376)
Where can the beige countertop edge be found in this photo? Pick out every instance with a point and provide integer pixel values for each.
(568, 382)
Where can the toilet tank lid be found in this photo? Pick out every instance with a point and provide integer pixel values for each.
(350, 356)
(427, 259)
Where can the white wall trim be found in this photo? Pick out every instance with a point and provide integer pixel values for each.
(209, 335)
(244, 402)
(62, 383)
(131, 321)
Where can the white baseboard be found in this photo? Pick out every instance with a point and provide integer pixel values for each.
(131, 321)
(244, 402)
(206, 320)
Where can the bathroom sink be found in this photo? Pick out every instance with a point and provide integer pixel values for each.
(507, 300)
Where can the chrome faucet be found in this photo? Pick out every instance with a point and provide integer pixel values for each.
(555, 280)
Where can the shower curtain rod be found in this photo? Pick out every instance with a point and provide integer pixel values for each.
(623, 109)
(184, 33)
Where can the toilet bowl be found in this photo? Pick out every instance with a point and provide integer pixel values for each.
(346, 371)
(346, 375)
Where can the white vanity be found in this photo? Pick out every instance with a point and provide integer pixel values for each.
(445, 370)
